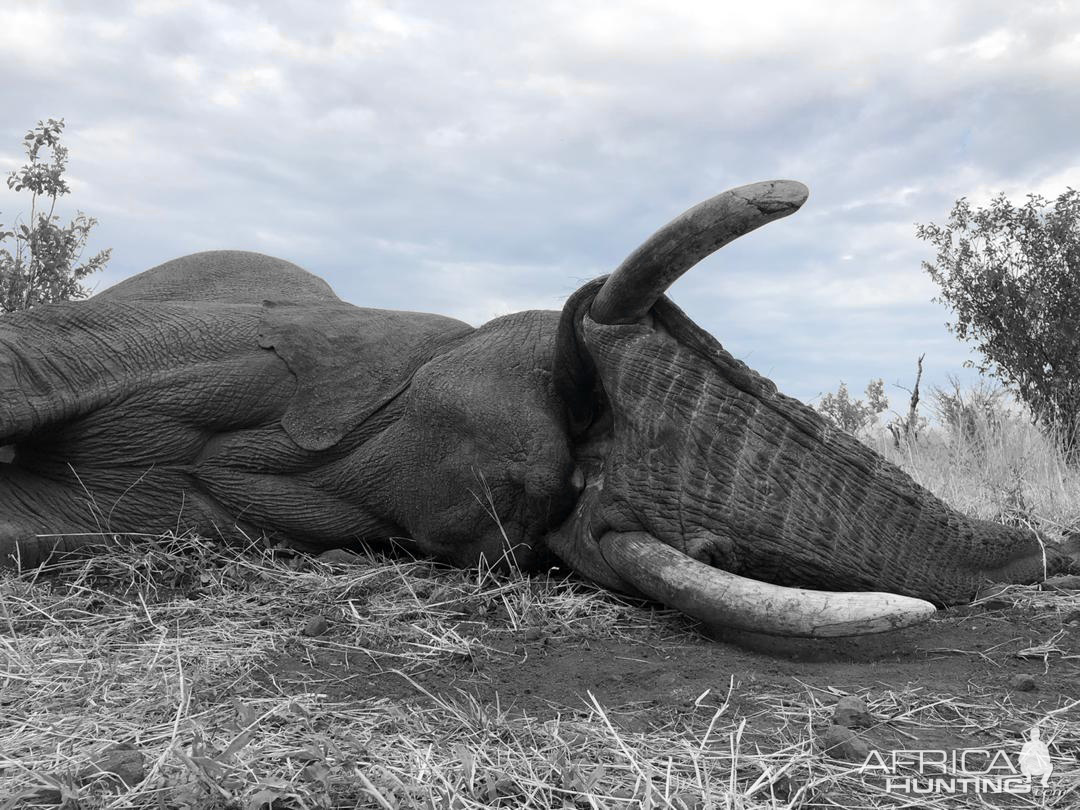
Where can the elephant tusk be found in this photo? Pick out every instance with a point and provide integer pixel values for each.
(646, 273)
(720, 598)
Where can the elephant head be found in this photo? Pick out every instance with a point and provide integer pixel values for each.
(231, 389)
(696, 468)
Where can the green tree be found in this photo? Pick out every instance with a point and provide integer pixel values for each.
(40, 261)
(1011, 275)
(853, 415)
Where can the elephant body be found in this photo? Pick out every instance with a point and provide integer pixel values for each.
(236, 395)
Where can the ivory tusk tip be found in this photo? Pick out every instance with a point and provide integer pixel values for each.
(793, 191)
(720, 598)
(881, 612)
(776, 197)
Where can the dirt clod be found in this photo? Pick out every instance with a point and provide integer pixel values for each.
(339, 556)
(994, 596)
(316, 626)
(784, 787)
(123, 763)
(843, 743)
(851, 712)
(688, 801)
(1023, 682)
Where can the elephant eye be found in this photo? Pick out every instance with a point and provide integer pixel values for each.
(7, 453)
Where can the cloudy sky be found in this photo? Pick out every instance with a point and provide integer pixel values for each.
(477, 158)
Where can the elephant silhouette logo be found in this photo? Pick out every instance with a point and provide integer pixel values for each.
(1034, 760)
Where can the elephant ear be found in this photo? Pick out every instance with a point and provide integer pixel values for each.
(348, 361)
(224, 276)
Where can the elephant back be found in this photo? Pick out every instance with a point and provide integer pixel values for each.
(225, 276)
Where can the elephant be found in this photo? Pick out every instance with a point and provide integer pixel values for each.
(235, 394)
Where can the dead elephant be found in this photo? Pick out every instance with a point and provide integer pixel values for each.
(232, 392)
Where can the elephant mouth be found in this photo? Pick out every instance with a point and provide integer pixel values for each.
(638, 362)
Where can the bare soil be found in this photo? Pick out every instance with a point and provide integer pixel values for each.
(242, 680)
(971, 654)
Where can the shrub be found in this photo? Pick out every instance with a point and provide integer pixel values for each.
(853, 415)
(43, 262)
(1011, 275)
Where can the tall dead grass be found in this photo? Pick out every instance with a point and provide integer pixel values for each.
(991, 462)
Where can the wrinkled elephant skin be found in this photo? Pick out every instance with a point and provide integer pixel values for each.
(234, 394)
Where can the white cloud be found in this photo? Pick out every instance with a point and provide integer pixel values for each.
(1016, 189)
(478, 157)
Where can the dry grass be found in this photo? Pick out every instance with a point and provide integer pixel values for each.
(1002, 468)
(166, 651)
(174, 651)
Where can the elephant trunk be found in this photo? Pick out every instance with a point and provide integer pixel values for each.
(756, 483)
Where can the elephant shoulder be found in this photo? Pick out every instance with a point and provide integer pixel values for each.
(226, 276)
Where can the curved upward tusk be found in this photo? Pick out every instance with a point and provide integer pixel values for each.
(633, 288)
(720, 598)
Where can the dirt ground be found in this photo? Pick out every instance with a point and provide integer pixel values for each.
(974, 654)
(245, 681)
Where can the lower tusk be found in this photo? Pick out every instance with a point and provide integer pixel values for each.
(720, 598)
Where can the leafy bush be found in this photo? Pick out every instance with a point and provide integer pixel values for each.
(853, 415)
(43, 264)
(1011, 275)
